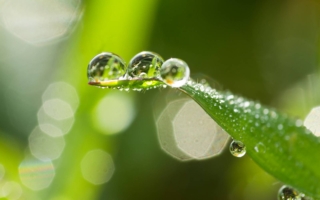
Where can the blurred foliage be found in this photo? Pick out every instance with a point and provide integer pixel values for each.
(255, 48)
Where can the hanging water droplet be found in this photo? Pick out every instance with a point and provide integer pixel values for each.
(288, 193)
(175, 72)
(145, 65)
(237, 148)
(106, 66)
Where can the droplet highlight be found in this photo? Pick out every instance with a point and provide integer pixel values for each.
(288, 193)
(106, 66)
(145, 65)
(175, 72)
(237, 148)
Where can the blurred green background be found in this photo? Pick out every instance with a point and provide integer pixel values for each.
(61, 139)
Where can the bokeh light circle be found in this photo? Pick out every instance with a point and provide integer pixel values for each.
(97, 167)
(114, 113)
(36, 174)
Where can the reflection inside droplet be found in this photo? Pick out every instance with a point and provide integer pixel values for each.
(36, 174)
(237, 148)
(288, 193)
(106, 66)
(97, 167)
(145, 65)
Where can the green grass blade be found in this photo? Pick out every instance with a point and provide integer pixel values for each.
(279, 144)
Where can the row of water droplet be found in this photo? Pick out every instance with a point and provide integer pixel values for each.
(145, 65)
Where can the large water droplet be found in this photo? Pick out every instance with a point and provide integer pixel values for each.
(106, 66)
(288, 193)
(175, 72)
(237, 148)
(145, 65)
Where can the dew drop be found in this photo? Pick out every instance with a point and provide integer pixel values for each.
(258, 106)
(230, 97)
(299, 123)
(260, 148)
(274, 114)
(237, 148)
(288, 193)
(145, 65)
(175, 72)
(246, 104)
(201, 88)
(106, 66)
